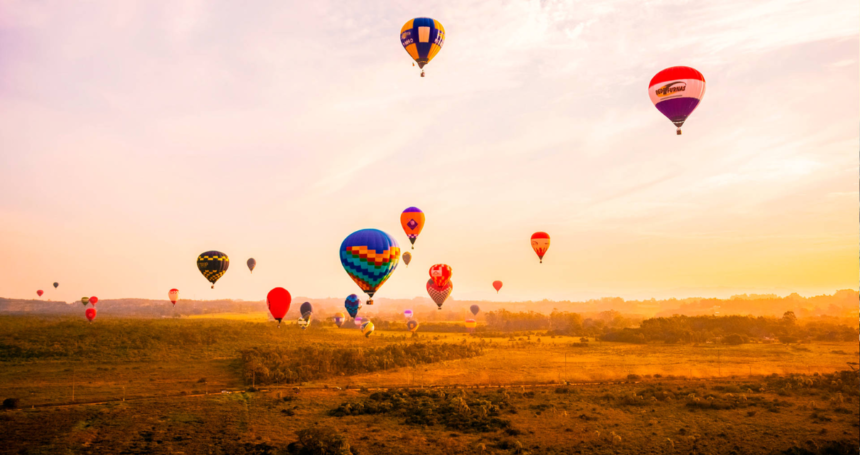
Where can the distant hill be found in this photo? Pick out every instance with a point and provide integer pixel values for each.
(843, 303)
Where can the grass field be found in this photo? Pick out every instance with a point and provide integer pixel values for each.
(170, 373)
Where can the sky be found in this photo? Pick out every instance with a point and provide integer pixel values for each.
(135, 135)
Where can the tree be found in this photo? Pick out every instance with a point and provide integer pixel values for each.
(789, 318)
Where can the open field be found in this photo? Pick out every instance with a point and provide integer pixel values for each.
(157, 385)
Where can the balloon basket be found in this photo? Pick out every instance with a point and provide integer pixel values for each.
(678, 132)
(422, 73)
(369, 302)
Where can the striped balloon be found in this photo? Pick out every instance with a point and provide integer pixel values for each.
(676, 92)
(369, 257)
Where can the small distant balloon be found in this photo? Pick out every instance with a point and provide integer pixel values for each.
(251, 264)
(412, 221)
(306, 310)
(676, 92)
(408, 314)
(56, 285)
(422, 38)
(85, 300)
(40, 292)
(213, 265)
(470, 325)
(497, 285)
(540, 243)
(407, 258)
(440, 274)
(279, 300)
(173, 295)
(439, 293)
(352, 305)
(367, 329)
(412, 325)
(474, 309)
(94, 300)
(339, 319)
(90, 314)
(357, 320)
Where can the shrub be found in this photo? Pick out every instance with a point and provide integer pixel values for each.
(10, 403)
(320, 441)
(735, 339)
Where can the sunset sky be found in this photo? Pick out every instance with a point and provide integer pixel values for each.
(136, 135)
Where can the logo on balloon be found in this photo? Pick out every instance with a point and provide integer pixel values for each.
(671, 89)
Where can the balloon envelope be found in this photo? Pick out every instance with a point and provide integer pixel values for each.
(90, 314)
(497, 285)
(251, 264)
(407, 258)
(676, 93)
(40, 292)
(173, 295)
(85, 300)
(540, 243)
(367, 328)
(412, 221)
(439, 294)
(422, 38)
(412, 325)
(369, 257)
(408, 314)
(94, 300)
(56, 285)
(474, 309)
(352, 305)
(357, 320)
(440, 274)
(279, 303)
(339, 319)
(306, 309)
(213, 265)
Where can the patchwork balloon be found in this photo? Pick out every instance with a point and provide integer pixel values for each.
(676, 92)
(439, 293)
(369, 257)
(352, 305)
(213, 265)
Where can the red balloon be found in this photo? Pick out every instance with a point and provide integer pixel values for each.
(440, 274)
(94, 300)
(279, 303)
(498, 285)
(40, 292)
(91, 314)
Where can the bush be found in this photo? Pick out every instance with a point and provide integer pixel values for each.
(10, 403)
(320, 441)
(735, 339)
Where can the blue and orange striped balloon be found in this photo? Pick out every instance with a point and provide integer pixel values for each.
(422, 38)
(369, 257)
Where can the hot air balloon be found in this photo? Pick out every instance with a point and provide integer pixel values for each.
(213, 265)
(497, 285)
(251, 264)
(369, 257)
(85, 300)
(474, 309)
(367, 329)
(40, 292)
(90, 314)
(440, 274)
(407, 258)
(540, 243)
(470, 325)
(357, 320)
(412, 220)
(439, 293)
(279, 300)
(173, 295)
(94, 300)
(676, 92)
(408, 314)
(412, 325)
(422, 38)
(306, 310)
(338, 319)
(56, 285)
(352, 305)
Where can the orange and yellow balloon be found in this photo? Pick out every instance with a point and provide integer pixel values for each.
(540, 243)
